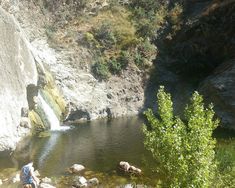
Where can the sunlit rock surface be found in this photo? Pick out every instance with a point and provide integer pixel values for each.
(17, 71)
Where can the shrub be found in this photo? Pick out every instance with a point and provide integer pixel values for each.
(124, 58)
(145, 52)
(105, 35)
(115, 66)
(184, 149)
(100, 70)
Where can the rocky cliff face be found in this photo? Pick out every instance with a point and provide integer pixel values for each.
(199, 50)
(87, 98)
(219, 88)
(18, 70)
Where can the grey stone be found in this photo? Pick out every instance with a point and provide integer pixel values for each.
(80, 181)
(24, 112)
(126, 167)
(76, 168)
(219, 88)
(93, 182)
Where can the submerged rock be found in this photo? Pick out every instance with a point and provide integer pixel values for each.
(76, 168)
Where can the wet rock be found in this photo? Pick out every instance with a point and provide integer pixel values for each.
(80, 181)
(126, 167)
(76, 168)
(46, 185)
(93, 182)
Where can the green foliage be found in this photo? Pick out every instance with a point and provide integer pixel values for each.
(105, 35)
(145, 52)
(226, 165)
(115, 67)
(100, 69)
(184, 149)
(148, 16)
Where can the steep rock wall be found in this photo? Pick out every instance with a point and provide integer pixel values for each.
(17, 71)
(219, 88)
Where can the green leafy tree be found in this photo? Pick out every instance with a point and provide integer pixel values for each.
(184, 148)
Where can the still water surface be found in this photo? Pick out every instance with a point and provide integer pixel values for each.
(98, 145)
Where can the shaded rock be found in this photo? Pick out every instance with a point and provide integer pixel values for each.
(93, 182)
(76, 168)
(25, 122)
(24, 112)
(219, 88)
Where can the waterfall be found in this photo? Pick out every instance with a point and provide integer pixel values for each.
(52, 118)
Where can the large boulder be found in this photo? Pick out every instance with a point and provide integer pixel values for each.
(76, 168)
(219, 88)
(17, 70)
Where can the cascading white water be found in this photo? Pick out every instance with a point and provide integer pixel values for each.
(52, 118)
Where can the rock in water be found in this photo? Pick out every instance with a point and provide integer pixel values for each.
(80, 181)
(126, 167)
(76, 168)
(93, 182)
